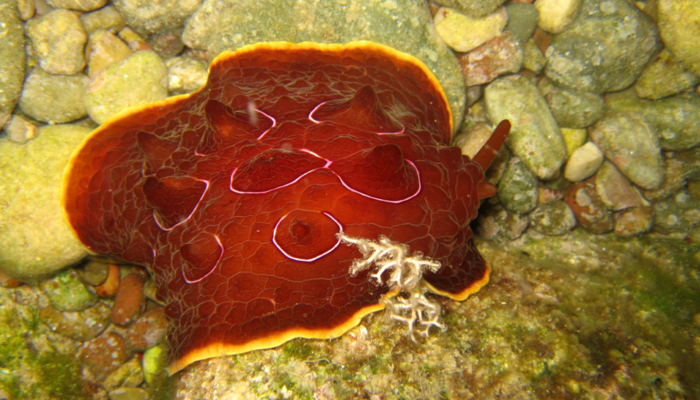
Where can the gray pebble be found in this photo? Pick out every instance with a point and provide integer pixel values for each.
(522, 20)
(152, 18)
(53, 98)
(679, 213)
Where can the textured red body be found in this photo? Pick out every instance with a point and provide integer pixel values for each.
(232, 196)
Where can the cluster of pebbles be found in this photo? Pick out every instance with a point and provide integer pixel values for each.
(606, 118)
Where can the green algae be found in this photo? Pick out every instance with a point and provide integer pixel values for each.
(26, 372)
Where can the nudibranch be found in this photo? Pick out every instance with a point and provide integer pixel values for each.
(249, 200)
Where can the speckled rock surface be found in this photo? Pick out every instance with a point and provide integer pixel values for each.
(139, 79)
(67, 292)
(405, 25)
(629, 141)
(185, 75)
(590, 211)
(499, 56)
(12, 58)
(515, 98)
(104, 354)
(54, 98)
(35, 240)
(554, 218)
(604, 49)
(679, 25)
(615, 190)
(58, 39)
(156, 17)
(517, 189)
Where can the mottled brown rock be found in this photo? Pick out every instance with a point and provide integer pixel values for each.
(501, 55)
(104, 354)
(130, 300)
(147, 331)
(590, 211)
(634, 221)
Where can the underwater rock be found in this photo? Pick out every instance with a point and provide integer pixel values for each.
(12, 58)
(517, 189)
(35, 241)
(55, 99)
(58, 39)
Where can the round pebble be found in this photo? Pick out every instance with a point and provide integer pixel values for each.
(155, 364)
(54, 99)
(130, 300)
(554, 218)
(522, 20)
(473, 8)
(58, 39)
(104, 354)
(105, 18)
(19, 130)
(583, 163)
(533, 59)
(629, 141)
(95, 273)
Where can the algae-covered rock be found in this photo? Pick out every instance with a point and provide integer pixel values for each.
(522, 20)
(67, 292)
(35, 240)
(140, 79)
(517, 189)
(604, 49)
(12, 58)
(405, 25)
(79, 5)
(535, 136)
(54, 98)
(473, 8)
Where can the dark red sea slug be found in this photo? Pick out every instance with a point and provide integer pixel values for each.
(234, 196)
